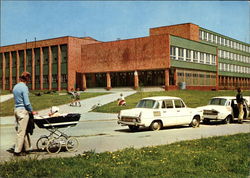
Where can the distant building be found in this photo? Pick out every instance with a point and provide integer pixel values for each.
(170, 55)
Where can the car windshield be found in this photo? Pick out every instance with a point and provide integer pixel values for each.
(217, 101)
(147, 104)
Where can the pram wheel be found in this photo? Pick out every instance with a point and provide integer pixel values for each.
(72, 144)
(42, 142)
(53, 146)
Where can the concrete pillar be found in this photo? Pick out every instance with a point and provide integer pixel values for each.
(24, 60)
(240, 82)
(136, 80)
(33, 74)
(84, 82)
(224, 81)
(50, 69)
(4, 72)
(10, 69)
(59, 61)
(17, 66)
(166, 79)
(41, 68)
(108, 81)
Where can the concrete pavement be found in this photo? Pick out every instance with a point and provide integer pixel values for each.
(5, 97)
(86, 106)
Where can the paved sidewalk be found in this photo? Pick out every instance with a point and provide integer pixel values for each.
(87, 105)
(5, 97)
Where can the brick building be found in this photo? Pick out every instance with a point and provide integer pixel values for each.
(201, 58)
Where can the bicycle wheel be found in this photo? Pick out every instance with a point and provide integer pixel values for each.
(42, 143)
(53, 146)
(72, 144)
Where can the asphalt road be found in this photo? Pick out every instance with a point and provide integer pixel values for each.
(107, 135)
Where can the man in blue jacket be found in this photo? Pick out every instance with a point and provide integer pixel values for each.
(22, 109)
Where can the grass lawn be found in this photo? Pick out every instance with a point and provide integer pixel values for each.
(226, 156)
(44, 101)
(192, 98)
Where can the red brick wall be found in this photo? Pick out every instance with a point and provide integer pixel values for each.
(74, 57)
(126, 55)
(188, 31)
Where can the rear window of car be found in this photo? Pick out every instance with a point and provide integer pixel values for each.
(217, 101)
(147, 104)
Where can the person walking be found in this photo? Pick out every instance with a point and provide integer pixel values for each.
(77, 97)
(239, 99)
(22, 110)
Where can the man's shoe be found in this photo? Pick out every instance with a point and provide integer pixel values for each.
(19, 154)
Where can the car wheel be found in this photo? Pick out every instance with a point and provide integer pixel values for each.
(133, 128)
(156, 125)
(195, 122)
(228, 120)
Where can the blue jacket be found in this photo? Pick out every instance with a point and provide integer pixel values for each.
(21, 96)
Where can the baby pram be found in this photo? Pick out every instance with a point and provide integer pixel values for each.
(57, 138)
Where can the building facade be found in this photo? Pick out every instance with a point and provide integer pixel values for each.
(170, 55)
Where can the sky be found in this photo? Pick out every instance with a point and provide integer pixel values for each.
(110, 20)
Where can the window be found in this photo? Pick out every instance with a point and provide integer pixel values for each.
(231, 56)
(214, 38)
(45, 79)
(195, 56)
(213, 60)
(219, 40)
(200, 35)
(223, 41)
(238, 57)
(231, 44)
(181, 54)
(228, 43)
(220, 66)
(243, 58)
(209, 37)
(207, 58)
(64, 78)
(173, 52)
(188, 55)
(222, 54)
(147, 104)
(205, 36)
(202, 57)
(54, 78)
(167, 104)
(179, 104)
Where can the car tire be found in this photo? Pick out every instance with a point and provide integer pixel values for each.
(133, 128)
(195, 122)
(228, 120)
(156, 125)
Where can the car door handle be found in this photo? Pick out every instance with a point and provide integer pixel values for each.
(178, 110)
(164, 111)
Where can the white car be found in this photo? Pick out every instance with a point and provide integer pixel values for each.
(158, 112)
(223, 108)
